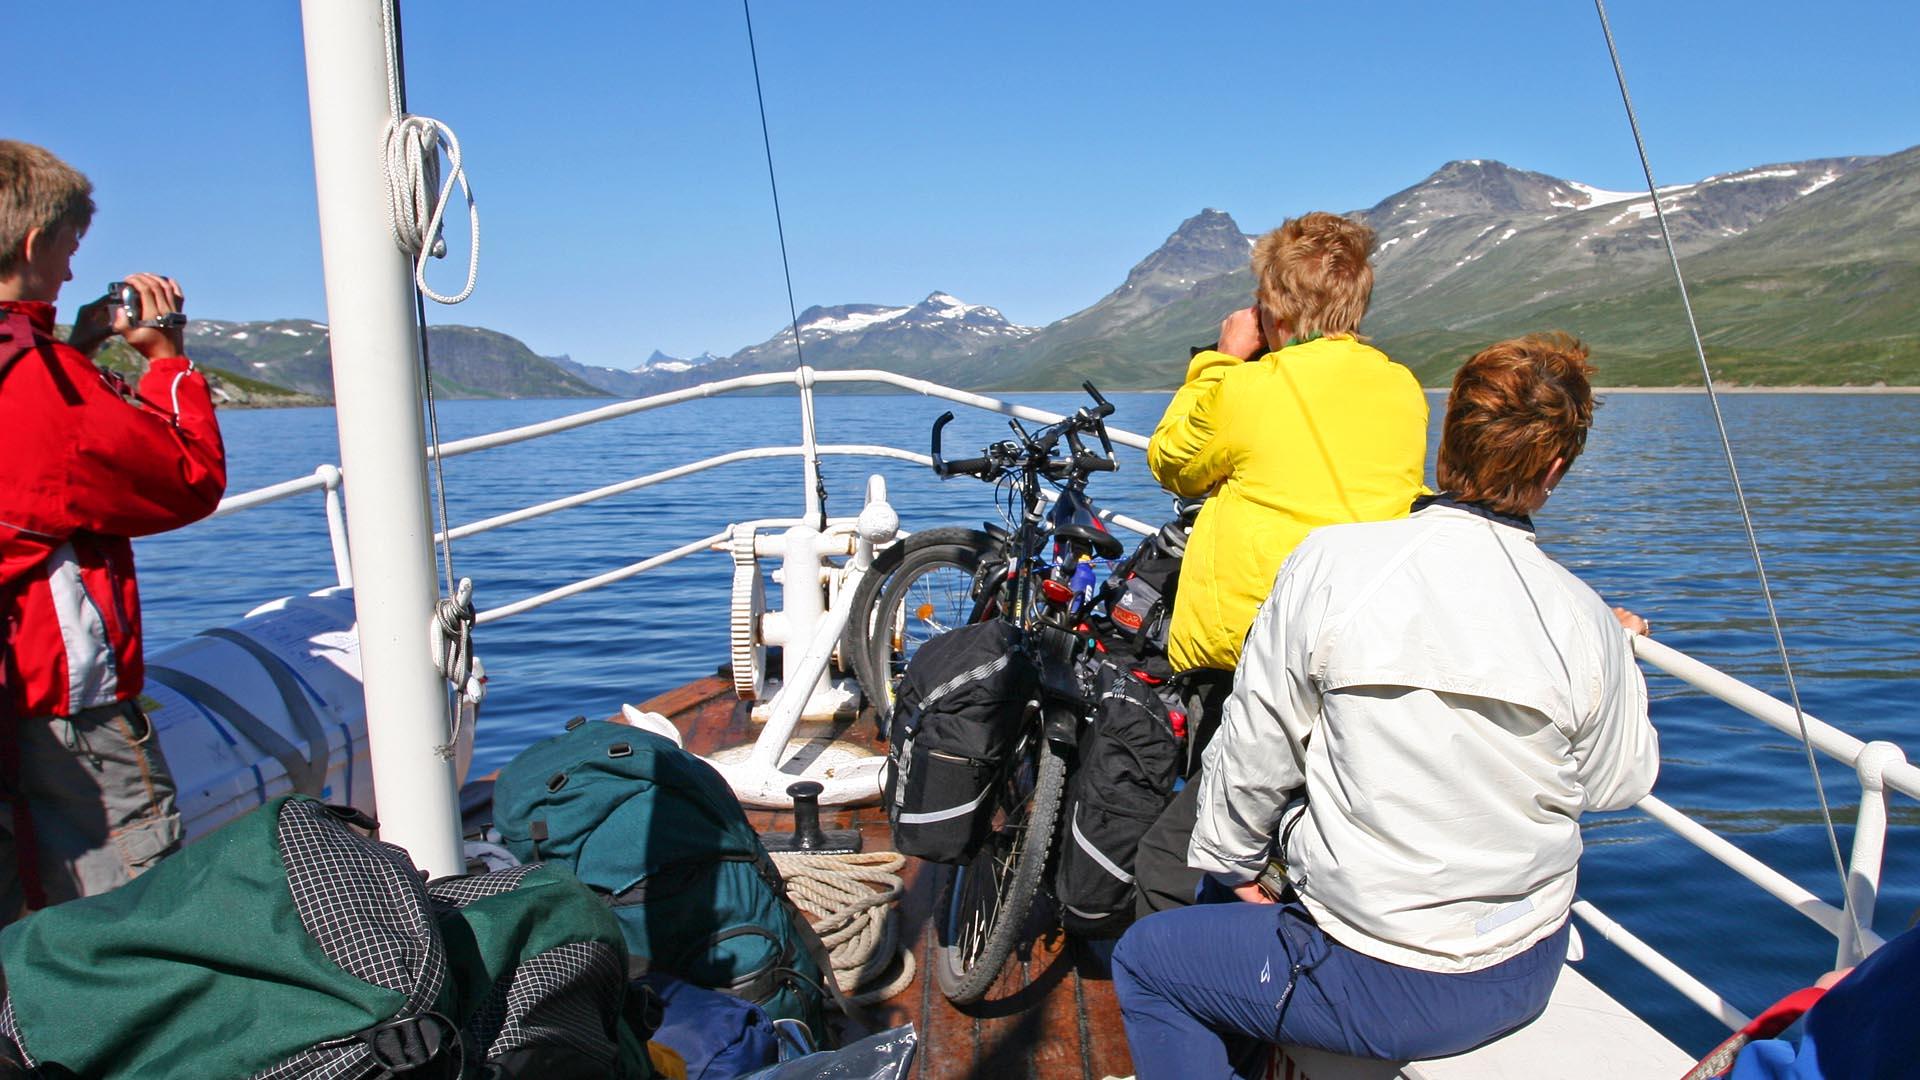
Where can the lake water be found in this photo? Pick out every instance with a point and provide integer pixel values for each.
(1646, 516)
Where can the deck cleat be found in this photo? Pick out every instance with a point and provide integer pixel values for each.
(807, 836)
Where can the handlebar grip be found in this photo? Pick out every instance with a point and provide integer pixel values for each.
(1096, 463)
(966, 467)
(940, 467)
(1104, 408)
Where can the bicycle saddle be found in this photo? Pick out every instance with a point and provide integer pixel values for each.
(1104, 544)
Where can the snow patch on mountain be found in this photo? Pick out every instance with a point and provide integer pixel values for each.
(848, 323)
(1597, 196)
(1757, 174)
(1819, 182)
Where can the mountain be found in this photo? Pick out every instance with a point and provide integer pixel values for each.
(1477, 265)
(941, 336)
(468, 362)
(1826, 290)
(637, 381)
(1480, 250)
(1205, 247)
(1800, 272)
(660, 361)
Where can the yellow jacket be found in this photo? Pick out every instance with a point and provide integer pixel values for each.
(1326, 431)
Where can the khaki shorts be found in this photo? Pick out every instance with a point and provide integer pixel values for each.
(102, 801)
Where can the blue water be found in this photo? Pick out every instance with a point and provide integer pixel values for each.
(1646, 516)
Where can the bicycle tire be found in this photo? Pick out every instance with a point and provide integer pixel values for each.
(877, 602)
(965, 981)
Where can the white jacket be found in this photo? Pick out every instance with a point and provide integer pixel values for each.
(1451, 700)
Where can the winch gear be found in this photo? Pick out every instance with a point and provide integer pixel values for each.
(749, 603)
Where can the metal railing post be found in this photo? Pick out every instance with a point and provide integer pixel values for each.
(336, 525)
(1869, 848)
(810, 444)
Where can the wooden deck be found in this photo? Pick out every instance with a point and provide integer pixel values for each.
(1053, 1012)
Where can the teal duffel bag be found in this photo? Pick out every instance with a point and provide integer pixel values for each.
(287, 944)
(659, 832)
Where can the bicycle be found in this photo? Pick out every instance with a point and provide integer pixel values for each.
(928, 583)
(1037, 576)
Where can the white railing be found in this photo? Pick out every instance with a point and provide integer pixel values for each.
(1879, 766)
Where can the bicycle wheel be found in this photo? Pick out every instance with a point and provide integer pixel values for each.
(984, 904)
(920, 587)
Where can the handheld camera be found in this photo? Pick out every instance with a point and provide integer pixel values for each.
(121, 294)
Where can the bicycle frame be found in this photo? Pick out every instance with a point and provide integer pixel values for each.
(1028, 586)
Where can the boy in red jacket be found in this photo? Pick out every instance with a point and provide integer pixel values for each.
(86, 801)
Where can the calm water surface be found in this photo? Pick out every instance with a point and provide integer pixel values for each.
(1646, 516)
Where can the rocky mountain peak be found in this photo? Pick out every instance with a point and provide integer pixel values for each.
(1478, 187)
(946, 307)
(1205, 246)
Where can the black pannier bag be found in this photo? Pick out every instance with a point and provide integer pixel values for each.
(954, 722)
(1124, 779)
(1138, 597)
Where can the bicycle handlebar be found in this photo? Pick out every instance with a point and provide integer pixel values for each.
(1102, 407)
(1035, 449)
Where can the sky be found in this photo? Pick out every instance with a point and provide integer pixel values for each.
(1021, 155)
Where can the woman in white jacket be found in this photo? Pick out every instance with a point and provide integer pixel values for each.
(1423, 710)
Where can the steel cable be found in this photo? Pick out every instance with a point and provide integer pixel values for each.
(1733, 470)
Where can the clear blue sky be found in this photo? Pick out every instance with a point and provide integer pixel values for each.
(1022, 155)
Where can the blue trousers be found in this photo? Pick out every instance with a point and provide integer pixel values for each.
(1205, 990)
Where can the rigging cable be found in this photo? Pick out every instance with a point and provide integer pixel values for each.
(1733, 471)
(793, 314)
(413, 145)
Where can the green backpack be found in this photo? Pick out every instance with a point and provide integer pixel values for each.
(658, 831)
(286, 945)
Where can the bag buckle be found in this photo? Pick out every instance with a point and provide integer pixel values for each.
(409, 1043)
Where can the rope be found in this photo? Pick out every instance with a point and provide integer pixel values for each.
(793, 311)
(413, 146)
(850, 898)
(1733, 470)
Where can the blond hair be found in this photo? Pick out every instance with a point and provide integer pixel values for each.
(37, 191)
(1515, 407)
(1312, 275)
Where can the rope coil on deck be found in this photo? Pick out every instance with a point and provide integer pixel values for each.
(850, 898)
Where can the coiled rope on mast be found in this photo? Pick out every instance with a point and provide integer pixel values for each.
(1733, 471)
(413, 146)
(412, 151)
(793, 313)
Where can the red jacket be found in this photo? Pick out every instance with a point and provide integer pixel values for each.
(82, 470)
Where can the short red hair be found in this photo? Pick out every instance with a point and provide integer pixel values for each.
(1515, 407)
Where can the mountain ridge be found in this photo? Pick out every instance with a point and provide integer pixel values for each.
(1817, 258)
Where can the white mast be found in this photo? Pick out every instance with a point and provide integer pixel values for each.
(376, 386)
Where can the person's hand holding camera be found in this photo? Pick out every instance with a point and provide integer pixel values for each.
(1241, 336)
(92, 325)
(159, 298)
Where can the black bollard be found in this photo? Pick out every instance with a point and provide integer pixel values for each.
(807, 834)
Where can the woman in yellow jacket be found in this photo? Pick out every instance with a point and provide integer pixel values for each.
(1321, 429)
